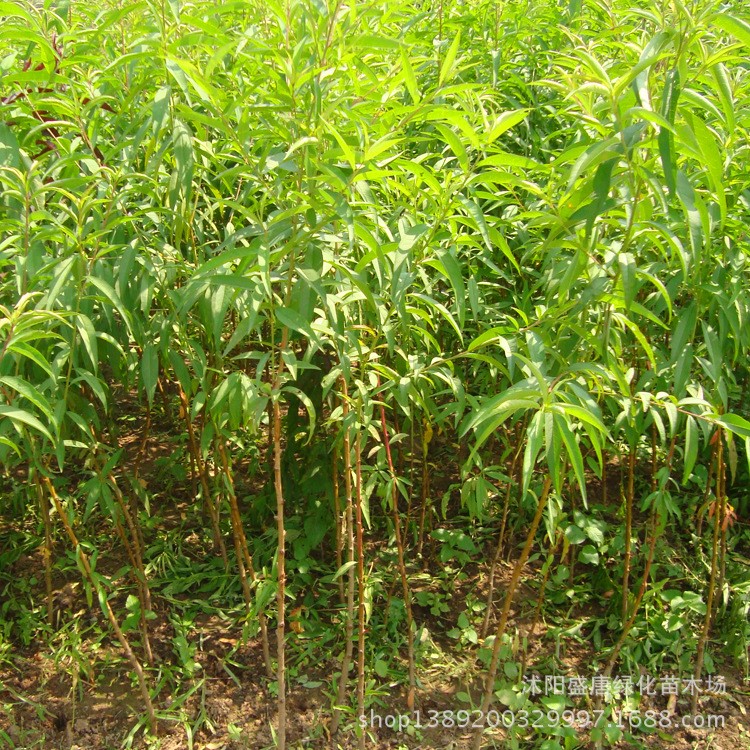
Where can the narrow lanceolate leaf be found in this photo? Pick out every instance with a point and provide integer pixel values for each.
(454, 142)
(534, 442)
(10, 153)
(87, 333)
(640, 73)
(182, 178)
(735, 26)
(12, 446)
(713, 162)
(447, 66)
(29, 392)
(410, 80)
(626, 262)
(492, 336)
(491, 415)
(343, 569)
(688, 198)
(666, 138)
(476, 214)
(9, 10)
(738, 425)
(505, 122)
(20, 416)
(113, 298)
(682, 370)
(724, 92)
(601, 202)
(294, 321)
(448, 266)
(684, 330)
(691, 448)
(150, 370)
(573, 450)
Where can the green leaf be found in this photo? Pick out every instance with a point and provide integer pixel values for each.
(476, 214)
(451, 268)
(724, 90)
(534, 442)
(409, 78)
(29, 352)
(588, 554)
(736, 424)
(502, 124)
(150, 370)
(684, 329)
(10, 444)
(666, 139)
(492, 336)
(626, 262)
(712, 160)
(575, 535)
(29, 392)
(455, 145)
(10, 152)
(574, 453)
(734, 26)
(295, 322)
(64, 277)
(638, 75)
(160, 108)
(10, 10)
(87, 333)
(683, 369)
(447, 66)
(691, 448)
(687, 196)
(24, 417)
(373, 41)
(182, 179)
(111, 295)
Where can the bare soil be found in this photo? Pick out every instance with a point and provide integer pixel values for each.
(82, 696)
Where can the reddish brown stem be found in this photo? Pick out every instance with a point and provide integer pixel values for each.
(349, 534)
(86, 566)
(489, 685)
(718, 516)
(629, 498)
(401, 562)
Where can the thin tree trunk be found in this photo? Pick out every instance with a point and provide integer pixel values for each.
(244, 558)
(136, 556)
(540, 600)
(636, 604)
(47, 549)
(137, 668)
(424, 499)
(489, 685)
(401, 564)
(499, 549)
(629, 498)
(281, 576)
(339, 525)
(349, 648)
(719, 510)
(208, 503)
(361, 591)
(723, 540)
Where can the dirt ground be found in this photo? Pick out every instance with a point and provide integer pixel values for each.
(83, 697)
(49, 704)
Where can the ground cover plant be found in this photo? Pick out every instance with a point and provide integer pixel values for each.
(374, 374)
